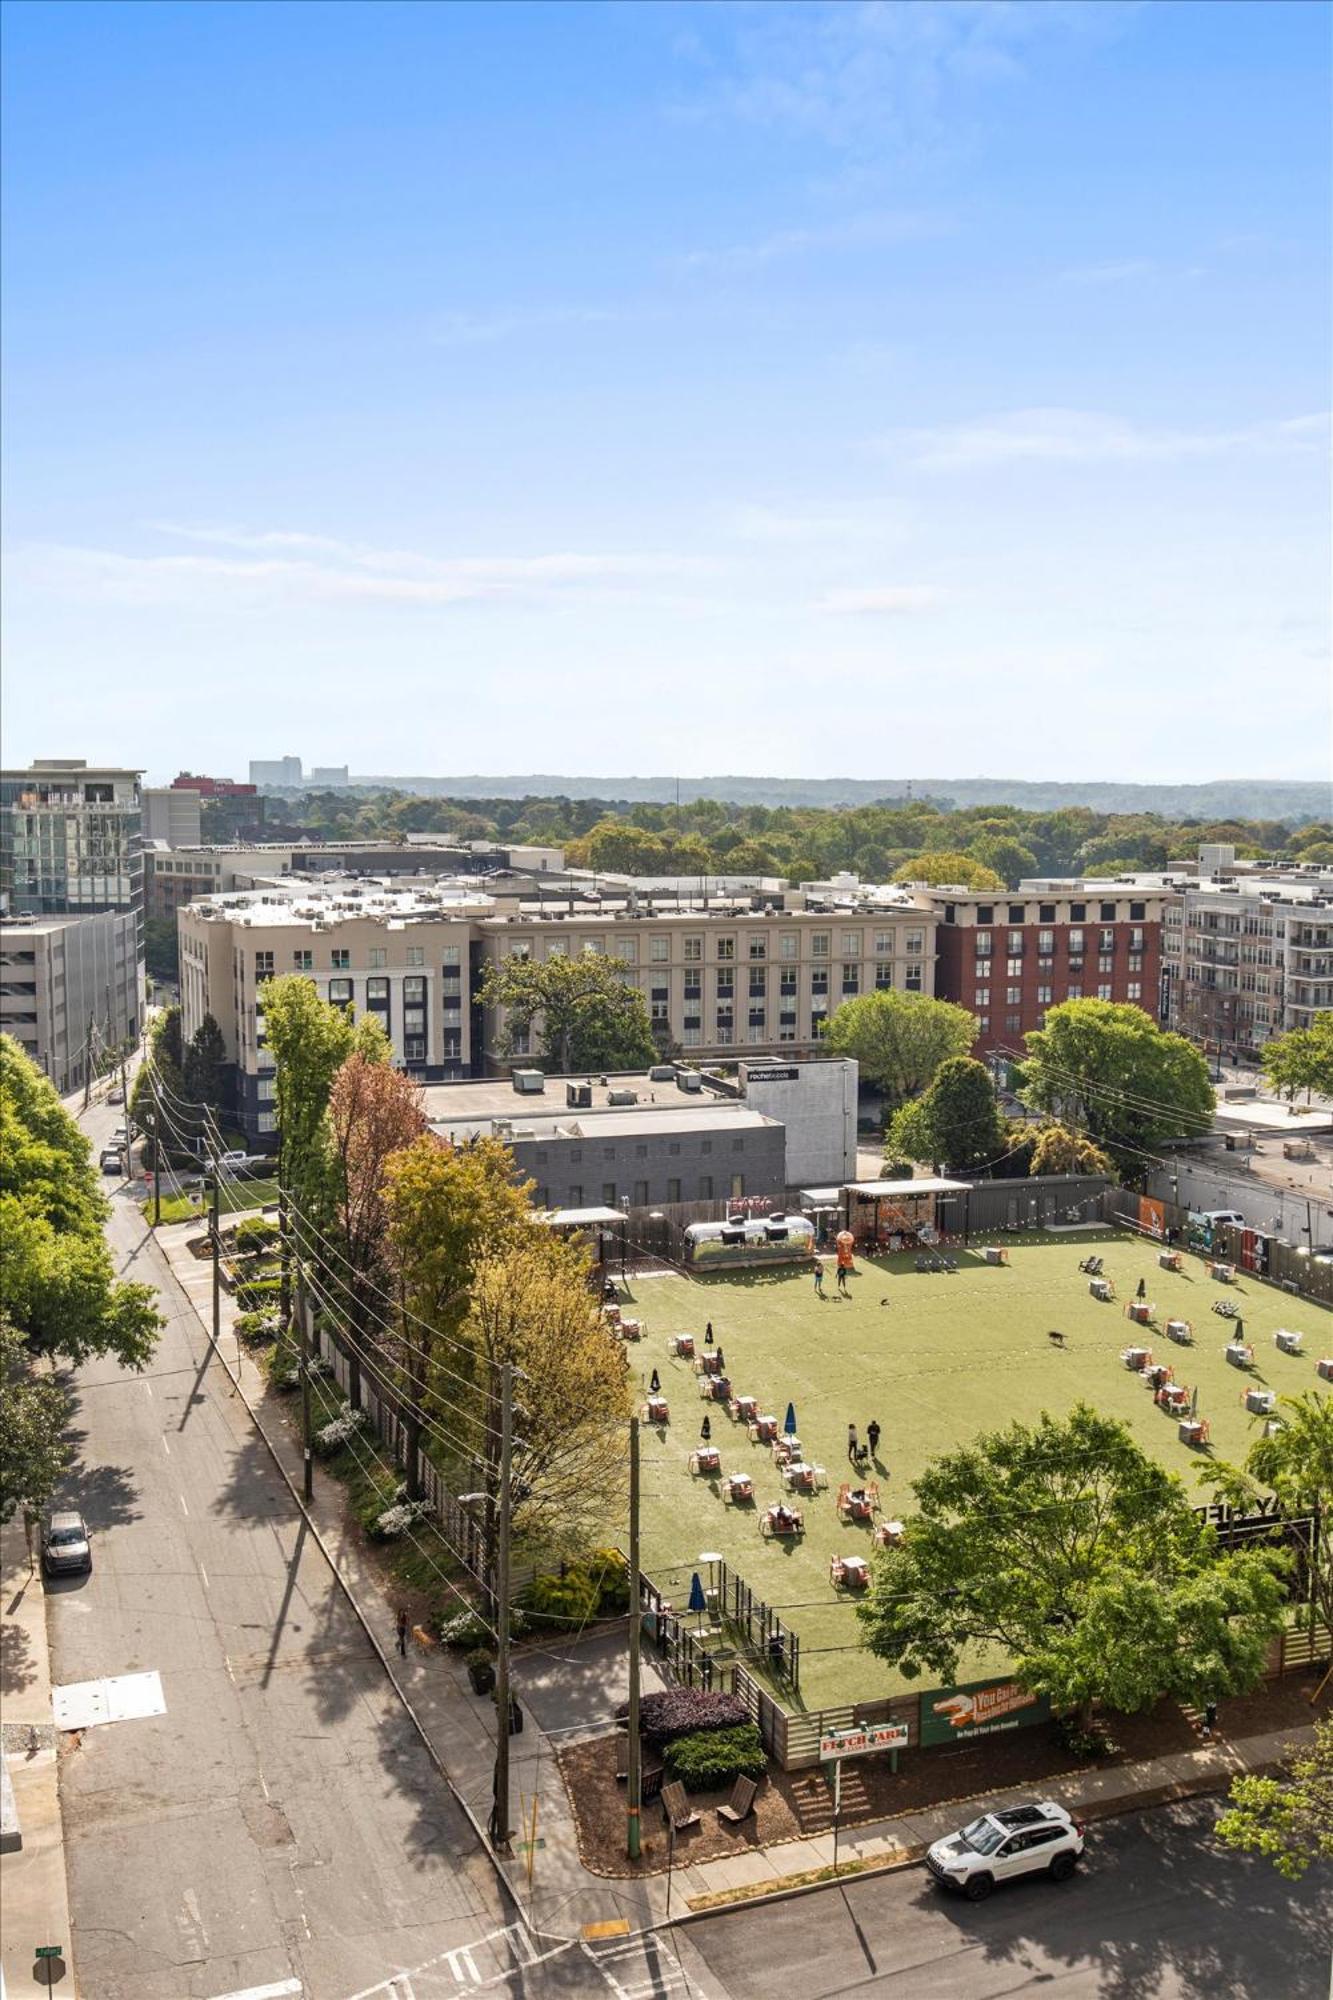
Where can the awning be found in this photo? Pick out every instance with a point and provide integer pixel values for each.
(820, 1197)
(904, 1190)
(583, 1218)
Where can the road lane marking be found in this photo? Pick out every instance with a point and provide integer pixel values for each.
(148, 1385)
(279, 1990)
(204, 1574)
(184, 1509)
(166, 1448)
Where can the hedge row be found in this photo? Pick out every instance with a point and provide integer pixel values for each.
(713, 1758)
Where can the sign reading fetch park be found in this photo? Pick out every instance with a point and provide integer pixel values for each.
(981, 1708)
(861, 1741)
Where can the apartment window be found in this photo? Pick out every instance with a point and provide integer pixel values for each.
(1108, 913)
(1106, 962)
(851, 944)
(725, 1034)
(883, 978)
(659, 950)
(451, 1044)
(377, 955)
(758, 982)
(758, 1015)
(520, 1040)
(626, 949)
(1136, 940)
(851, 979)
(340, 959)
(1077, 912)
(659, 1007)
(556, 948)
(1015, 946)
(416, 954)
(1134, 990)
(1014, 968)
(819, 979)
(789, 945)
(819, 943)
(267, 1121)
(1013, 1023)
(340, 992)
(787, 980)
(1108, 940)
(377, 993)
(1075, 941)
(726, 948)
(1014, 995)
(913, 981)
(983, 944)
(705, 1187)
(693, 950)
(263, 965)
(1018, 913)
(985, 913)
(641, 1194)
(726, 985)
(1044, 996)
(981, 997)
(1073, 991)
(1045, 943)
(883, 943)
(1046, 913)
(609, 1197)
(574, 1195)
(983, 1023)
(691, 1034)
(738, 1187)
(673, 1188)
(694, 985)
(265, 1089)
(1137, 912)
(758, 945)
(1136, 961)
(916, 942)
(303, 961)
(1104, 992)
(448, 957)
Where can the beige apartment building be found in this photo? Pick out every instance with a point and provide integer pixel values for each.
(721, 979)
(69, 990)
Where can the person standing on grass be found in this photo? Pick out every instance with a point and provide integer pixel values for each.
(872, 1438)
(842, 1279)
(851, 1442)
(1142, 1291)
(401, 1626)
(819, 1277)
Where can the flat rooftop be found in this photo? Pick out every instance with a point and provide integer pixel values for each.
(300, 902)
(633, 1122)
(495, 1097)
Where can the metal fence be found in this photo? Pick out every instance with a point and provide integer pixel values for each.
(1265, 1258)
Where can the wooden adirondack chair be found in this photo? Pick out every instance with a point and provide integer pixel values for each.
(676, 1807)
(741, 1803)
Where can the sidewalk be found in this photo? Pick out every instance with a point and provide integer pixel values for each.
(32, 1881)
(569, 1691)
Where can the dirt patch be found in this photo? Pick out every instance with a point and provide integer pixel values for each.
(793, 1805)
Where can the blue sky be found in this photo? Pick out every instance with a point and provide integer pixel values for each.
(854, 390)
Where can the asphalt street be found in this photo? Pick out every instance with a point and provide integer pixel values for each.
(280, 1830)
(1160, 1911)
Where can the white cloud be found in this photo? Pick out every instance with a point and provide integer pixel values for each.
(298, 566)
(1054, 436)
(888, 600)
(852, 521)
(851, 232)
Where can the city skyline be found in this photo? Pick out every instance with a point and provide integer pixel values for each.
(793, 390)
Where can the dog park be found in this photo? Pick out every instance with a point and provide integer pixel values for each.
(1190, 1353)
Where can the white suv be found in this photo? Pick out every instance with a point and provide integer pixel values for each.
(1039, 1839)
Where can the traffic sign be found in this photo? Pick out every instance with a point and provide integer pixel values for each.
(49, 1951)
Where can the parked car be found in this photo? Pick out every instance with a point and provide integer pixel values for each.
(1037, 1839)
(115, 1096)
(111, 1160)
(121, 1136)
(65, 1546)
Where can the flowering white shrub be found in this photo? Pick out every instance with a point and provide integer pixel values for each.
(396, 1519)
(340, 1428)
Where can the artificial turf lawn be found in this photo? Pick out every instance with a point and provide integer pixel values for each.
(948, 1356)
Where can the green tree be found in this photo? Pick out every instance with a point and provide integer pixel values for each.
(588, 1016)
(57, 1283)
(1287, 1816)
(1302, 1059)
(1004, 856)
(447, 1207)
(690, 855)
(957, 1123)
(159, 1105)
(947, 868)
(614, 847)
(900, 1039)
(1067, 1546)
(33, 1410)
(1110, 1071)
(1294, 1464)
(206, 1066)
(1060, 1151)
(162, 948)
(530, 1306)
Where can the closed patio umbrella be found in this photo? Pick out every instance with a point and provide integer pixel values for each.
(789, 1421)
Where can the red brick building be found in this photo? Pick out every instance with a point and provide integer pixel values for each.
(213, 788)
(1008, 957)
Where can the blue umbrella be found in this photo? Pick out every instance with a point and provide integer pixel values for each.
(789, 1421)
(698, 1602)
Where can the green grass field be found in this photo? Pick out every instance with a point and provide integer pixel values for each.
(236, 1198)
(947, 1357)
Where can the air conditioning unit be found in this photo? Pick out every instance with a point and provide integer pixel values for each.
(578, 1096)
(529, 1082)
(622, 1096)
(689, 1079)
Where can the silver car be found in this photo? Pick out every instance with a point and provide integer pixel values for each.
(65, 1546)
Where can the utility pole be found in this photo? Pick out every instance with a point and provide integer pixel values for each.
(157, 1149)
(307, 1447)
(634, 1777)
(215, 1237)
(500, 1810)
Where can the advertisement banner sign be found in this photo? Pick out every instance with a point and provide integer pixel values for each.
(859, 1742)
(980, 1708)
(1152, 1217)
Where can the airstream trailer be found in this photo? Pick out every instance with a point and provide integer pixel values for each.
(749, 1243)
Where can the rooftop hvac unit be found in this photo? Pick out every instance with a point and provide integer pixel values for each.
(578, 1096)
(689, 1079)
(622, 1096)
(529, 1082)
(661, 1073)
